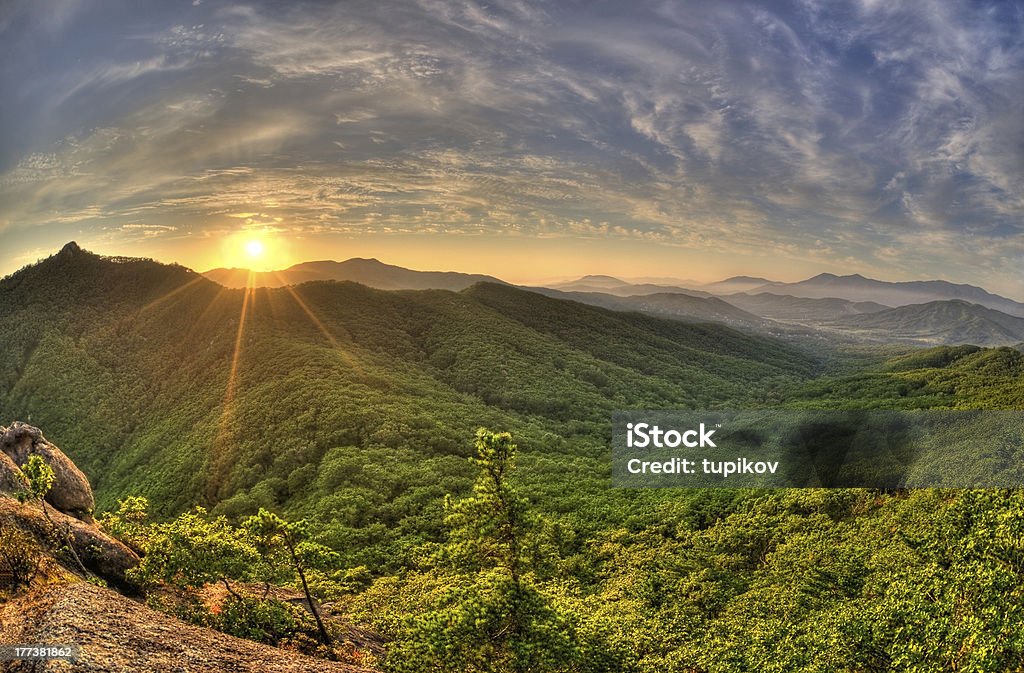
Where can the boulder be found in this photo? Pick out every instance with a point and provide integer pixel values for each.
(11, 478)
(71, 492)
(101, 554)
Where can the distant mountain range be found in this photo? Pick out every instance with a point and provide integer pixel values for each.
(851, 306)
(667, 305)
(938, 322)
(369, 272)
(858, 288)
(735, 284)
(800, 309)
(622, 288)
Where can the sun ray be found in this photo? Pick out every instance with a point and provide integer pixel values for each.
(220, 456)
(173, 293)
(342, 353)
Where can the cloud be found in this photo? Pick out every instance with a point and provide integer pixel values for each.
(800, 130)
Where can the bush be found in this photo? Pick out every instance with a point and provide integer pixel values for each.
(267, 620)
(21, 559)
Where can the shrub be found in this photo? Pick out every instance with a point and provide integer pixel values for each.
(267, 620)
(21, 559)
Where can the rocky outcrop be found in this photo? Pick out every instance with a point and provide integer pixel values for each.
(101, 554)
(68, 515)
(11, 478)
(115, 633)
(71, 492)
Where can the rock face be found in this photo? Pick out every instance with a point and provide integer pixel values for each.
(118, 634)
(71, 492)
(101, 554)
(70, 505)
(11, 479)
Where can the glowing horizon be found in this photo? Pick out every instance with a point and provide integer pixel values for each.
(692, 281)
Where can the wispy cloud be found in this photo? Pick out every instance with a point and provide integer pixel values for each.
(871, 136)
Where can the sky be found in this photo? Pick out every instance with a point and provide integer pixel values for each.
(530, 140)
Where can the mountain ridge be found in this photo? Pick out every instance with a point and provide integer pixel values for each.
(855, 287)
(948, 322)
(678, 306)
(803, 310)
(368, 271)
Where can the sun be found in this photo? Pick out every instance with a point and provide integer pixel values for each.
(254, 248)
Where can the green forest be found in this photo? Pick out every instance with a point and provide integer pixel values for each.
(438, 462)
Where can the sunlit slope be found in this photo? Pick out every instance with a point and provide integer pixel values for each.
(161, 382)
(946, 377)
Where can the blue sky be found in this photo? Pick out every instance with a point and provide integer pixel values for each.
(527, 139)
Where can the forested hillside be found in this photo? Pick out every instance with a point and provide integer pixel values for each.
(338, 400)
(357, 409)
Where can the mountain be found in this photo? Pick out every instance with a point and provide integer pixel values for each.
(859, 289)
(355, 409)
(369, 272)
(668, 305)
(598, 281)
(939, 322)
(800, 309)
(735, 284)
(670, 281)
(621, 288)
(350, 405)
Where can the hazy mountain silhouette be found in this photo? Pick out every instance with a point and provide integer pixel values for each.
(369, 272)
(940, 322)
(622, 288)
(666, 304)
(735, 284)
(858, 288)
(800, 309)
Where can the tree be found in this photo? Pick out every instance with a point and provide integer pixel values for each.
(21, 559)
(194, 550)
(494, 614)
(129, 523)
(288, 550)
(40, 478)
(489, 529)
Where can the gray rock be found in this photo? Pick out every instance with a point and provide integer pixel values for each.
(101, 554)
(71, 492)
(11, 479)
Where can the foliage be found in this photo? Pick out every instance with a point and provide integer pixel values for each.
(268, 621)
(39, 476)
(129, 522)
(490, 528)
(195, 550)
(289, 553)
(491, 611)
(21, 559)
